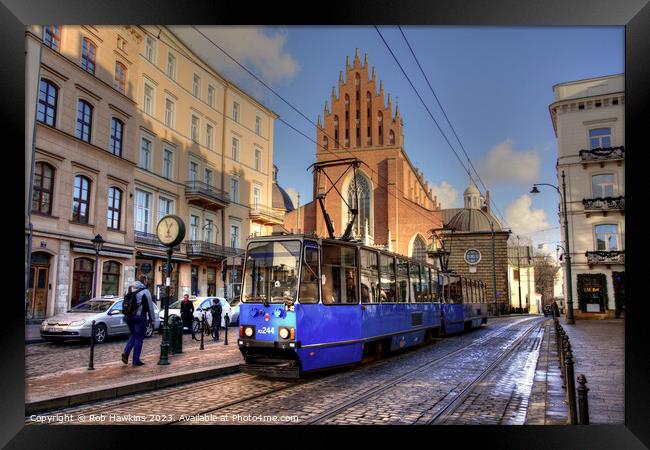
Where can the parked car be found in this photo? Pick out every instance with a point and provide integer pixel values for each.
(76, 323)
(234, 308)
(200, 304)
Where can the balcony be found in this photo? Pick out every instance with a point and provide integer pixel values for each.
(150, 240)
(266, 216)
(208, 250)
(602, 155)
(606, 257)
(604, 205)
(206, 196)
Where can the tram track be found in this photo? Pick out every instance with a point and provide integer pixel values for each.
(369, 393)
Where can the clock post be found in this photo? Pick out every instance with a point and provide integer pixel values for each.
(170, 231)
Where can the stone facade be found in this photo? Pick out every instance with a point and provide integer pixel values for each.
(362, 124)
(588, 117)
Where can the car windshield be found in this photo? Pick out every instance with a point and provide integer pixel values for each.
(271, 272)
(93, 306)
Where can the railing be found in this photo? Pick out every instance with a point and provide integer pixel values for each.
(151, 240)
(602, 204)
(606, 257)
(203, 249)
(602, 154)
(196, 187)
(258, 210)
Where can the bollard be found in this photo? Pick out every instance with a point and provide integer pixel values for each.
(202, 328)
(571, 390)
(583, 403)
(91, 363)
(227, 321)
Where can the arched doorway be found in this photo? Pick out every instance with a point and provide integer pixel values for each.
(39, 275)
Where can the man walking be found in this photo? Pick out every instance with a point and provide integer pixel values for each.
(135, 316)
(216, 310)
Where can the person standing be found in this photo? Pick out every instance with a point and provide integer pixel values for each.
(187, 314)
(216, 310)
(136, 320)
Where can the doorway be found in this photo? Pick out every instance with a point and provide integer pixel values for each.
(39, 275)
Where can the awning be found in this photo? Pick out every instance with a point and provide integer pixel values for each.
(106, 251)
(177, 259)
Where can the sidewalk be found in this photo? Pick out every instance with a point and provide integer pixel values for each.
(58, 376)
(599, 352)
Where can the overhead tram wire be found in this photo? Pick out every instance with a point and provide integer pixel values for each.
(425, 106)
(377, 174)
(417, 61)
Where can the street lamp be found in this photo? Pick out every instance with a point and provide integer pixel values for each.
(494, 273)
(534, 190)
(98, 242)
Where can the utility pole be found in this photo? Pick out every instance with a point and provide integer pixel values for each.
(518, 273)
(298, 220)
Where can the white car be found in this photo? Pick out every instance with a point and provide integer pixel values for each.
(201, 304)
(106, 311)
(234, 308)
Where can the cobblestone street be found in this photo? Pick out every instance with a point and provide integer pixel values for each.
(482, 377)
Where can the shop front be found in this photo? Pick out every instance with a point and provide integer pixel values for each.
(592, 293)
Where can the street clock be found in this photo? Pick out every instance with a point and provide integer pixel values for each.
(170, 230)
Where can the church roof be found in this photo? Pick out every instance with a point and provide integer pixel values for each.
(281, 199)
(470, 220)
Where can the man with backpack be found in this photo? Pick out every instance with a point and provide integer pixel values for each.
(216, 310)
(136, 307)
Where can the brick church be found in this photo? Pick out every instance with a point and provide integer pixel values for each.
(396, 206)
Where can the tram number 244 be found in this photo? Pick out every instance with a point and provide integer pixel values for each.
(266, 330)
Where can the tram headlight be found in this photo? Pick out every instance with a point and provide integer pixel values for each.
(249, 331)
(284, 333)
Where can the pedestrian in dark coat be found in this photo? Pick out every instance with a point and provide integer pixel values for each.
(556, 310)
(187, 314)
(216, 310)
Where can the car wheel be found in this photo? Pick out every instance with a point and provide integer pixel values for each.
(148, 332)
(100, 333)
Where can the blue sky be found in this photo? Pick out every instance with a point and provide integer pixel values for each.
(495, 84)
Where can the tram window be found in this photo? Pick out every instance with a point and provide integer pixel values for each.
(436, 295)
(309, 277)
(271, 271)
(369, 277)
(340, 275)
(425, 282)
(388, 292)
(402, 281)
(414, 275)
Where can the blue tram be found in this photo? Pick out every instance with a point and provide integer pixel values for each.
(309, 303)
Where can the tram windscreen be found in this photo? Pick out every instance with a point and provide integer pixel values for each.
(271, 272)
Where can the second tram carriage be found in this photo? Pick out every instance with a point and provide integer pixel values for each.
(309, 303)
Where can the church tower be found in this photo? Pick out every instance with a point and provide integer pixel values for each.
(360, 116)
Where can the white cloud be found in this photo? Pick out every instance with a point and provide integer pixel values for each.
(522, 219)
(254, 47)
(293, 194)
(447, 195)
(504, 164)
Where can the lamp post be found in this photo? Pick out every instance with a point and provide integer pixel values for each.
(494, 273)
(98, 242)
(534, 190)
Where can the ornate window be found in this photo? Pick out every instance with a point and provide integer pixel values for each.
(336, 131)
(52, 36)
(606, 237)
(115, 143)
(196, 86)
(391, 137)
(603, 185)
(47, 96)
(82, 280)
(43, 187)
(111, 278)
(380, 126)
(171, 66)
(84, 120)
(364, 192)
(600, 138)
(419, 249)
(88, 50)
(472, 256)
(114, 208)
(81, 199)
